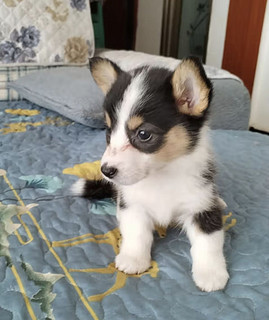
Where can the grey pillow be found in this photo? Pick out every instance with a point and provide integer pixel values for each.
(230, 106)
(70, 91)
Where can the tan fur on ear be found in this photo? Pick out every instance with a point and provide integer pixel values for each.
(190, 89)
(104, 74)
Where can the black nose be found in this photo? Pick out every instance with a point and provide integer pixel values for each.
(109, 172)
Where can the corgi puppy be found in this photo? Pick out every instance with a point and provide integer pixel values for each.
(159, 162)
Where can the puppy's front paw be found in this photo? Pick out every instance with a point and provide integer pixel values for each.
(131, 265)
(210, 278)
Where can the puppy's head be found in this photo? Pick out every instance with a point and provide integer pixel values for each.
(153, 116)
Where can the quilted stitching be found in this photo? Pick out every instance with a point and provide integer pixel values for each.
(55, 20)
(70, 223)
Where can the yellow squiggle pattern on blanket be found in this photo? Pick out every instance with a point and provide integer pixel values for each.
(23, 112)
(112, 238)
(121, 277)
(86, 170)
(226, 225)
(22, 126)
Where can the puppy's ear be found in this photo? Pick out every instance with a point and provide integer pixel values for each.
(191, 87)
(104, 72)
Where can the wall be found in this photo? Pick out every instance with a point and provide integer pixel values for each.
(217, 32)
(243, 34)
(260, 96)
(149, 26)
(149, 29)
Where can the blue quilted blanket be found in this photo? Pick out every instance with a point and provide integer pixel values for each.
(57, 250)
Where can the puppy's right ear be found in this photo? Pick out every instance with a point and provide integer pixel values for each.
(104, 72)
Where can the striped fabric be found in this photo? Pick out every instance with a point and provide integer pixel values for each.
(9, 74)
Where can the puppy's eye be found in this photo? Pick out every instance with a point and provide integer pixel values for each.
(144, 135)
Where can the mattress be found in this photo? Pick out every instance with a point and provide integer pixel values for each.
(57, 250)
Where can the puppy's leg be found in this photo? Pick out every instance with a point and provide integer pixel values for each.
(208, 263)
(136, 229)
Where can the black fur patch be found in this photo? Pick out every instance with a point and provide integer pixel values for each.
(98, 189)
(209, 220)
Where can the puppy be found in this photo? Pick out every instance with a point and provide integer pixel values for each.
(159, 161)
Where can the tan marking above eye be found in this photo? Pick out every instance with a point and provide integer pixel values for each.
(177, 142)
(108, 120)
(134, 122)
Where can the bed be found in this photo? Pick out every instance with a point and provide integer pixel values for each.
(57, 250)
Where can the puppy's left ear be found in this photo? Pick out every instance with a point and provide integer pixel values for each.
(104, 72)
(191, 87)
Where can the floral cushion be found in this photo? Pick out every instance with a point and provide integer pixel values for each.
(41, 34)
(45, 32)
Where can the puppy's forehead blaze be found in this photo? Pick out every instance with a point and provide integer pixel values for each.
(134, 122)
